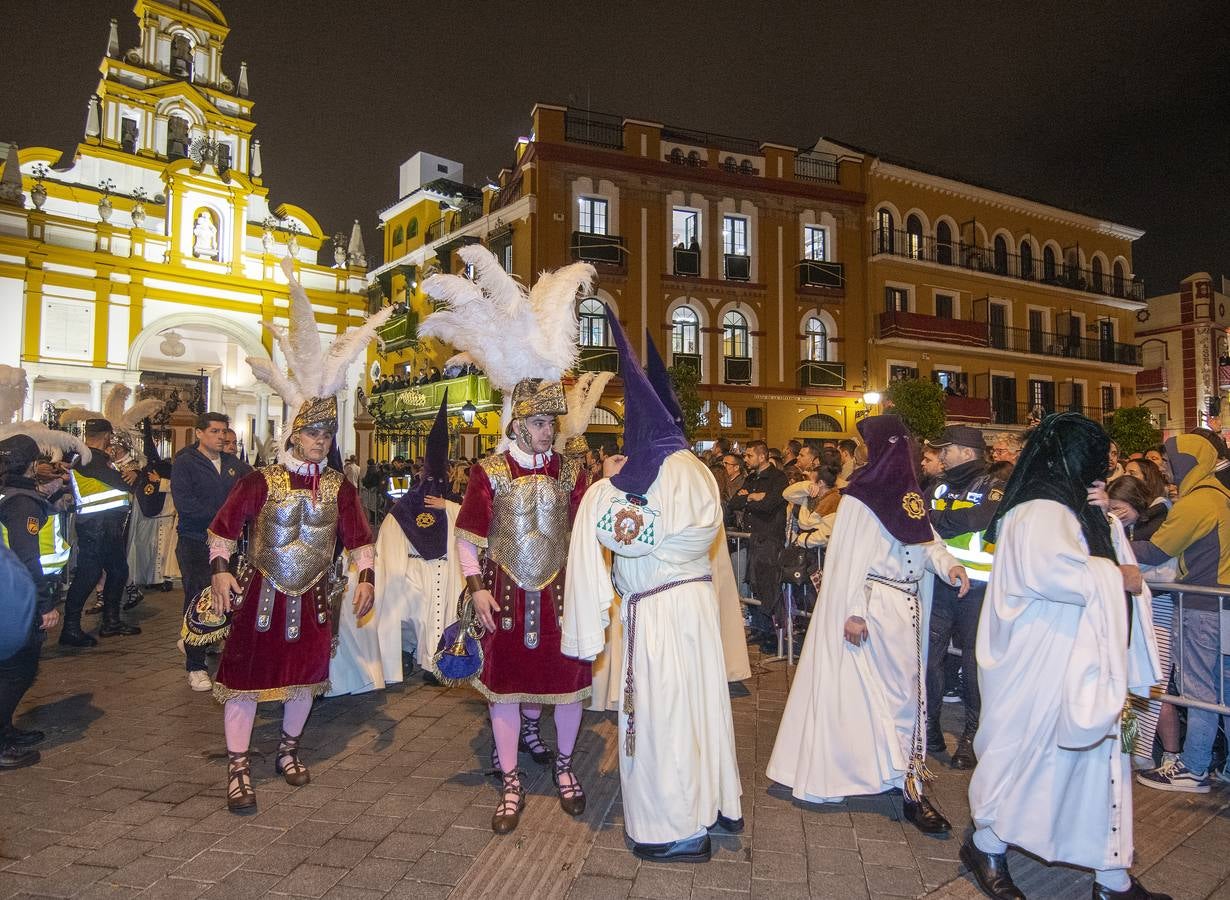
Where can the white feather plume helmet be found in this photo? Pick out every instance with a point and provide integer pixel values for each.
(13, 389)
(121, 419)
(510, 333)
(312, 372)
(51, 443)
(583, 395)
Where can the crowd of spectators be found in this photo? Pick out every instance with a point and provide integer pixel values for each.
(399, 380)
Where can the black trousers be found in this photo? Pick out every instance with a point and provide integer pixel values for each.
(16, 675)
(192, 555)
(765, 578)
(101, 548)
(955, 620)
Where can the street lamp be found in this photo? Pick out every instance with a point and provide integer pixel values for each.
(468, 411)
(871, 398)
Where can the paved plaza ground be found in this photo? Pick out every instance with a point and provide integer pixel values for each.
(130, 800)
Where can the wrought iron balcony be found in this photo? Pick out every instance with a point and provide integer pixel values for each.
(737, 369)
(737, 267)
(399, 332)
(1151, 379)
(598, 359)
(814, 374)
(1006, 263)
(687, 262)
(600, 248)
(691, 360)
(919, 327)
(821, 274)
(967, 409)
(596, 129)
(810, 165)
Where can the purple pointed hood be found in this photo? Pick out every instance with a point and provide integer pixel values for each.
(661, 381)
(650, 431)
(427, 529)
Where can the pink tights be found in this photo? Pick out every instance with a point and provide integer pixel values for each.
(239, 714)
(506, 726)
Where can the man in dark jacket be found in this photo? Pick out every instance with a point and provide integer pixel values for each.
(202, 477)
(764, 515)
(104, 497)
(24, 510)
(962, 503)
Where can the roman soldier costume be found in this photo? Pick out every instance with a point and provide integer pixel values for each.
(518, 509)
(279, 638)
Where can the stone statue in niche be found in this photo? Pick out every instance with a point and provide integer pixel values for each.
(205, 236)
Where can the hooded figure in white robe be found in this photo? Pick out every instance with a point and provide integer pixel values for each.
(658, 516)
(1059, 646)
(852, 724)
(418, 582)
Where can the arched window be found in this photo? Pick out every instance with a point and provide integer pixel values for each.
(685, 331)
(914, 237)
(1048, 263)
(398, 236)
(676, 155)
(1027, 260)
(820, 422)
(1096, 271)
(1118, 278)
(816, 338)
(943, 243)
(177, 136)
(884, 230)
(1001, 255)
(181, 57)
(412, 229)
(593, 323)
(735, 340)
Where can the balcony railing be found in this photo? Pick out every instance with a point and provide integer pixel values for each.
(602, 248)
(596, 129)
(814, 374)
(737, 369)
(737, 267)
(1008, 264)
(745, 146)
(967, 409)
(452, 221)
(1024, 413)
(598, 359)
(1151, 379)
(688, 359)
(809, 165)
(687, 262)
(399, 332)
(821, 274)
(919, 327)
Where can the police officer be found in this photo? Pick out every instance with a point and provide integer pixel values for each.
(25, 513)
(104, 496)
(962, 504)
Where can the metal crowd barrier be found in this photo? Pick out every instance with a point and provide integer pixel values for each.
(785, 634)
(1195, 598)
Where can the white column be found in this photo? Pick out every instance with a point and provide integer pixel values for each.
(96, 386)
(262, 415)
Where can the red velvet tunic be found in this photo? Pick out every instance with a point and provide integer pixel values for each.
(512, 672)
(264, 664)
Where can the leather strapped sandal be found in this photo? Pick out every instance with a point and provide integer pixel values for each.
(240, 796)
(508, 813)
(531, 742)
(571, 796)
(287, 764)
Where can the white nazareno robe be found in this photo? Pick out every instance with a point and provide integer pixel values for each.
(416, 599)
(683, 771)
(1055, 666)
(151, 544)
(848, 726)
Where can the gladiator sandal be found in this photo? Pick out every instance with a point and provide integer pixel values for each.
(287, 764)
(240, 796)
(508, 813)
(531, 742)
(571, 796)
(97, 606)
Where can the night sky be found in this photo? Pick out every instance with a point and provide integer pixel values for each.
(1118, 109)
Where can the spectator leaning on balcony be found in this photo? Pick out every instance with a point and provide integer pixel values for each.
(1197, 533)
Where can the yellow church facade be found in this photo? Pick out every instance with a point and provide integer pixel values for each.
(149, 257)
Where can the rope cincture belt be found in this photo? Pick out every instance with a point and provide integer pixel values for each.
(917, 774)
(633, 601)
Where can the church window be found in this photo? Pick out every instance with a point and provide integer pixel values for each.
(177, 137)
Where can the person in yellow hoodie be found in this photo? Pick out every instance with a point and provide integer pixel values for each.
(1197, 533)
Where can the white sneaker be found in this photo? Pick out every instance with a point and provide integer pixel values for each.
(1172, 775)
(200, 681)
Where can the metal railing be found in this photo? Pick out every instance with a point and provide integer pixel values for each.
(745, 146)
(810, 165)
(822, 274)
(1215, 602)
(1056, 272)
(1021, 413)
(596, 129)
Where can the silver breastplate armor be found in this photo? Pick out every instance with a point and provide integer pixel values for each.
(529, 531)
(292, 538)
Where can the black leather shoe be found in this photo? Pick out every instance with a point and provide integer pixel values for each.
(118, 628)
(695, 849)
(75, 637)
(730, 826)
(428, 678)
(19, 738)
(925, 817)
(963, 757)
(12, 757)
(990, 870)
(1136, 892)
(935, 737)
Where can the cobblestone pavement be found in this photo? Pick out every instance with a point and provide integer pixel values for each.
(129, 800)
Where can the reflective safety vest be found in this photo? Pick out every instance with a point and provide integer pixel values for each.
(94, 496)
(398, 486)
(969, 549)
(53, 550)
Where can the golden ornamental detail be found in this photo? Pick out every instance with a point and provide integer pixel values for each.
(912, 503)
